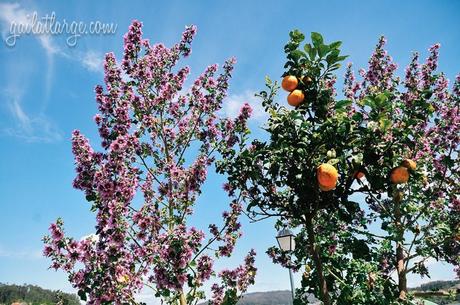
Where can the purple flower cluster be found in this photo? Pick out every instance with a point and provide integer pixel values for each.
(179, 247)
(430, 66)
(230, 233)
(351, 87)
(238, 279)
(379, 75)
(115, 283)
(158, 142)
(412, 80)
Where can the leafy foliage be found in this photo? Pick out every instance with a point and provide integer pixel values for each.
(381, 124)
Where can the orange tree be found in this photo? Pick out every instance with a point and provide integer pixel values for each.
(387, 153)
(294, 176)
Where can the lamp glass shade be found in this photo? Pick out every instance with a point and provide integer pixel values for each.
(286, 240)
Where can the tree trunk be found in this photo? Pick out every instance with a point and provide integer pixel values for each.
(315, 253)
(400, 257)
(182, 299)
(402, 280)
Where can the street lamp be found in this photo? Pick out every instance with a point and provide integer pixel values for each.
(286, 242)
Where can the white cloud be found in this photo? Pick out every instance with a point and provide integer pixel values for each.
(13, 13)
(92, 60)
(28, 127)
(147, 296)
(234, 102)
(21, 254)
(47, 44)
(92, 237)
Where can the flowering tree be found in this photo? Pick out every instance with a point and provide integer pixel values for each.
(387, 153)
(409, 126)
(157, 141)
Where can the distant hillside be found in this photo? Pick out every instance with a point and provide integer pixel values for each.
(438, 292)
(278, 297)
(438, 285)
(282, 297)
(34, 295)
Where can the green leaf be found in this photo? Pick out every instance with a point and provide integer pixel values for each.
(333, 161)
(381, 99)
(369, 102)
(323, 50)
(297, 54)
(341, 105)
(82, 295)
(268, 81)
(384, 123)
(290, 46)
(317, 39)
(335, 53)
(357, 117)
(310, 50)
(297, 36)
(91, 197)
(358, 158)
(335, 45)
(332, 57)
(448, 161)
(334, 67)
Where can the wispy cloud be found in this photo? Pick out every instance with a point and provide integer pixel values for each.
(148, 297)
(233, 104)
(34, 127)
(30, 128)
(13, 13)
(21, 254)
(92, 60)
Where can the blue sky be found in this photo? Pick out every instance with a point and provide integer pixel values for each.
(46, 91)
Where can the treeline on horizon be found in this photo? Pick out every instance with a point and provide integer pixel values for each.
(437, 285)
(441, 285)
(35, 295)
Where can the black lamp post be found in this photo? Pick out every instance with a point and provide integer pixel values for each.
(286, 242)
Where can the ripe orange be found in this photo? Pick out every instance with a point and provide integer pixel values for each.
(399, 175)
(307, 80)
(289, 83)
(295, 98)
(327, 176)
(359, 175)
(409, 164)
(325, 188)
